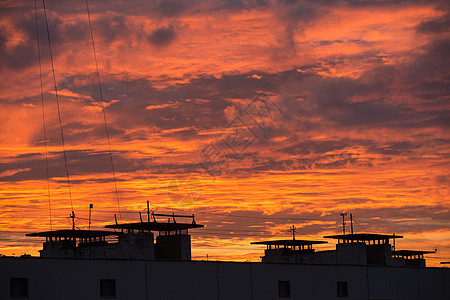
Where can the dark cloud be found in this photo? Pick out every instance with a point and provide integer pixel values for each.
(438, 25)
(295, 15)
(182, 134)
(21, 55)
(331, 99)
(80, 162)
(424, 218)
(425, 79)
(431, 63)
(318, 147)
(170, 8)
(395, 148)
(162, 36)
(112, 27)
(24, 54)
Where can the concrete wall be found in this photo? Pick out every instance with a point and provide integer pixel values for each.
(68, 279)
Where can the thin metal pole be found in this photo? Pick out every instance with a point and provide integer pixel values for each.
(293, 232)
(394, 240)
(343, 221)
(90, 210)
(351, 222)
(73, 220)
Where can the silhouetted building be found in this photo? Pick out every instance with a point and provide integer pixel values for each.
(80, 264)
(134, 241)
(351, 249)
(365, 248)
(412, 258)
(288, 251)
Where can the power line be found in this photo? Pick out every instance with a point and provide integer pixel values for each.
(43, 115)
(359, 225)
(57, 104)
(103, 109)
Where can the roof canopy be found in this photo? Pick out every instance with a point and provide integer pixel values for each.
(411, 252)
(289, 242)
(363, 237)
(155, 226)
(69, 233)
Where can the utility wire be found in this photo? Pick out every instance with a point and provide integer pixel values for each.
(103, 109)
(360, 225)
(32, 247)
(57, 104)
(43, 116)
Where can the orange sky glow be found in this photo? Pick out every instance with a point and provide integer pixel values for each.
(252, 115)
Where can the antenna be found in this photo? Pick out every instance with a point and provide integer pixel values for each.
(148, 212)
(343, 221)
(90, 210)
(72, 215)
(351, 222)
(293, 231)
(393, 240)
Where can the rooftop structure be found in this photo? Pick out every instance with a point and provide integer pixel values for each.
(351, 249)
(134, 240)
(299, 245)
(170, 227)
(367, 238)
(288, 251)
(413, 258)
(173, 241)
(73, 234)
(410, 254)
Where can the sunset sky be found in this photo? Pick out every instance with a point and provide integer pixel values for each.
(253, 115)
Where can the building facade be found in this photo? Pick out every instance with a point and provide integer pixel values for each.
(74, 279)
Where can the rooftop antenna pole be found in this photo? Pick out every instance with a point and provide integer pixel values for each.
(343, 221)
(351, 222)
(148, 212)
(394, 241)
(293, 231)
(90, 210)
(73, 220)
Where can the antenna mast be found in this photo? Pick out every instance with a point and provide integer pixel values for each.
(393, 240)
(72, 215)
(351, 222)
(343, 221)
(90, 210)
(293, 231)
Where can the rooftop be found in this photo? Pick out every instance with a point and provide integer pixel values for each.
(155, 226)
(69, 233)
(363, 237)
(411, 252)
(289, 242)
